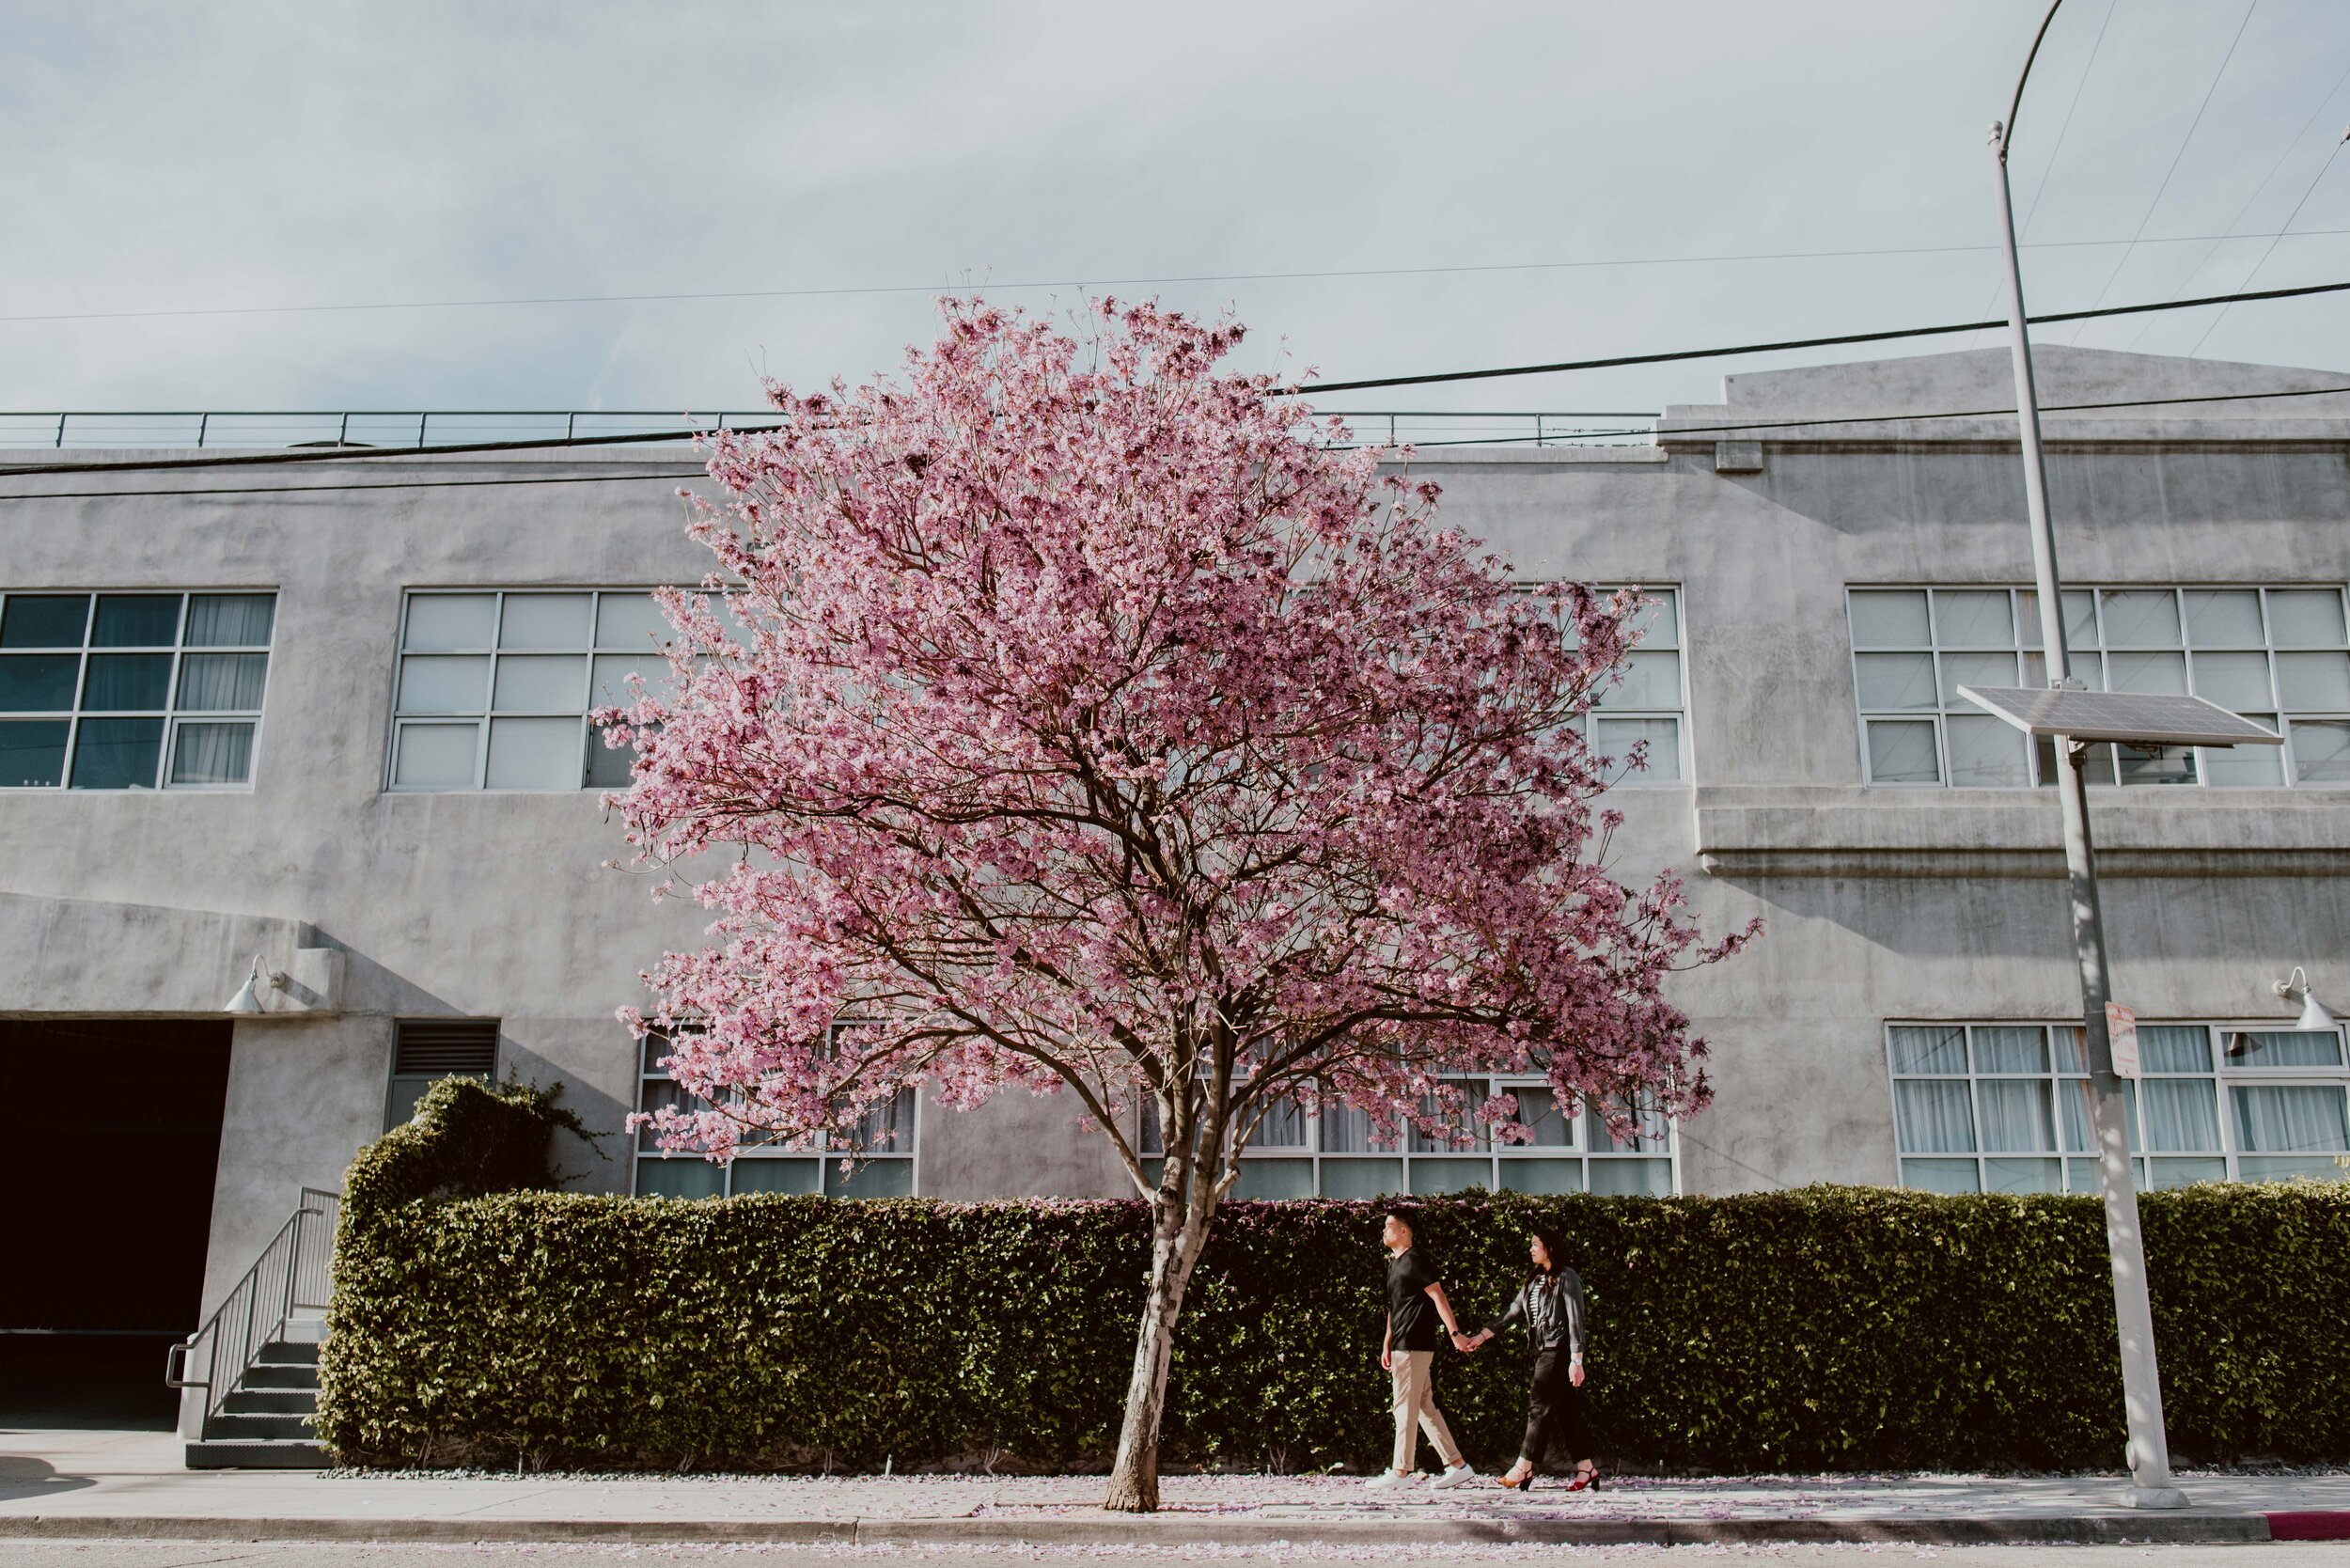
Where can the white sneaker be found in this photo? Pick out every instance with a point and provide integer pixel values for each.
(1388, 1480)
(1459, 1475)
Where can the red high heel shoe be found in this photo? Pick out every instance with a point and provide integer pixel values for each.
(1585, 1481)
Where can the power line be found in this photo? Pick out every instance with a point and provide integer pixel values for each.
(2307, 192)
(247, 460)
(2193, 126)
(1093, 283)
(1670, 433)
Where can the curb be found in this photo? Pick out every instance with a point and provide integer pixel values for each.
(1176, 1529)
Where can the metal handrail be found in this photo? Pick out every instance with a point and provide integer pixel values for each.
(295, 1270)
(393, 429)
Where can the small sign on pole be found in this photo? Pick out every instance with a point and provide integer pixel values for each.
(2121, 1028)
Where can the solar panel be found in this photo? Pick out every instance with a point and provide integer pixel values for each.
(2141, 718)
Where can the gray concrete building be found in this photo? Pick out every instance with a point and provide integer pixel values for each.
(332, 716)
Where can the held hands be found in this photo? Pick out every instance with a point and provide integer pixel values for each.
(1466, 1342)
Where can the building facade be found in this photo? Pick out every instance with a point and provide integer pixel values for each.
(334, 717)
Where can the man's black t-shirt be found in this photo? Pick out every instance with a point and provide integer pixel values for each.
(1412, 1317)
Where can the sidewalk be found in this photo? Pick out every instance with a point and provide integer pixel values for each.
(117, 1485)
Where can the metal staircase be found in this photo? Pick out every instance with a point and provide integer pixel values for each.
(258, 1352)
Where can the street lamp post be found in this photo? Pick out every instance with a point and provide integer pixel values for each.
(2142, 1382)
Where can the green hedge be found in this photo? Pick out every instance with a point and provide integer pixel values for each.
(1825, 1328)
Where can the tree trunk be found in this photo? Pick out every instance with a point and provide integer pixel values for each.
(1134, 1475)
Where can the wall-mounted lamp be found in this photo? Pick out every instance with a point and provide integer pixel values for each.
(2315, 1015)
(248, 997)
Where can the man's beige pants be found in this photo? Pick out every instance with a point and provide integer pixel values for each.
(1415, 1410)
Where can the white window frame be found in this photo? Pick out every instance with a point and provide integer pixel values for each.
(1580, 1150)
(830, 1182)
(484, 719)
(1674, 600)
(2077, 1168)
(171, 714)
(2107, 764)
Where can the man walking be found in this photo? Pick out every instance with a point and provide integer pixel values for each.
(1415, 1304)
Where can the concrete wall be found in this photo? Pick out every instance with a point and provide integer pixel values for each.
(1879, 903)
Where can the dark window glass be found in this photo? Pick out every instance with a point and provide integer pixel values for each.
(32, 752)
(44, 620)
(118, 753)
(607, 766)
(136, 621)
(37, 683)
(126, 682)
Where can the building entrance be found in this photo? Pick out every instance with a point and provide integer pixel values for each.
(113, 1135)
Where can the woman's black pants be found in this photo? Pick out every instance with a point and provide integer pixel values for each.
(1554, 1409)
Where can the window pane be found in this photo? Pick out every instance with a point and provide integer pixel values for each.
(2169, 765)
(2181, 1173)
(2023, 1176)
(2314, 681)
(2244, 764)
(2235, 680)
(2141, 618)
(1901, 751)
(2305, 618)
(2280, 1168)
(2081, 618)
(1650, 681)
(37, 683)
(1895, 682)
(440, 621)
(2286, 1048)
(2147, 673)
(118, 753)
(1283, 1127)
(1446, 1122)
(1361, 1178)
(2010, 1048)
(631, 621)
(2096, 767)
(1538, 1108)
(872, 1179)
(2224, 618)
(542, 685)
(2290, 1118)
(231, 620)
(1933, 1116)
(136, 621)
(534, 754)
(126, 682)
(212, 754)
(679, 1176)
(544, 621)
(1935, 1048)
(1986, 753)
(1541, 1176)
(803, 1177)
(1275, 1179)
(1969, 618)
(1894, 618)
(32, 753)
(1650, 1135)
(1657, 623)
(436, 756)
(887, 1128)
(222, 683)
(608, 767)
(2174, 1047)
(2016, 1114)
(1950, 1176)
(1346, 1130)
(442, 684)
(1974, 670)
(2073, 1117)
(1616, 737)
(608, 684)
(44, 620)
(2321, 752)
(1632, 1178)
(2182, 1114)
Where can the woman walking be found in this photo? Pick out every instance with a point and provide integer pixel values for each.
(1551, 1304)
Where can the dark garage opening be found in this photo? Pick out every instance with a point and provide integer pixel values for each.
(114, 1136)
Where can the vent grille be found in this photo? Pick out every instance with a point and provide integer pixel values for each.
(443, 1046)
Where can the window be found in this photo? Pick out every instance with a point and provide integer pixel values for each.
(882, 1147)
(2272, 654)
(2005, 1107)
(495, 688)
(1648, 704)
(426, 1050)
(132, 690)
(1334, 1154)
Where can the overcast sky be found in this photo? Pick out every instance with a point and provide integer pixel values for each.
(194, 158)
